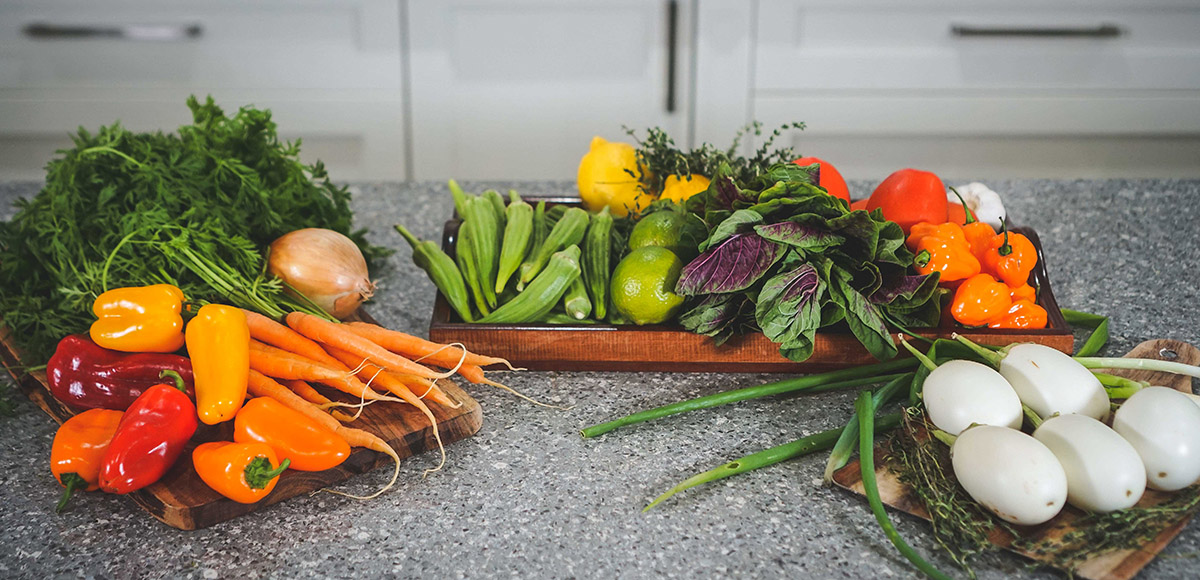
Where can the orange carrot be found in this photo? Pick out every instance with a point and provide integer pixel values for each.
(391, 383)
(261, 385)
(426, 389)
(442, 355)
(280, 336)
(337, 336)
(281, 364)
(322, 402)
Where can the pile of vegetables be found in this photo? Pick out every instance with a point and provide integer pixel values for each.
(195, 210)
(963, 452)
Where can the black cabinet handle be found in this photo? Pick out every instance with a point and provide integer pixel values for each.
(154, 32)
(1099, 31)
(672, 34)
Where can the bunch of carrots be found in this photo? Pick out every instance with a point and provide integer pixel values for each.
(361, 360)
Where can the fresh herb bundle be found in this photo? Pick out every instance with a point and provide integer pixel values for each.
(661, 157)
(785, 257)
(124, 209)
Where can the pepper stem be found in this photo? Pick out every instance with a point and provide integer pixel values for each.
(991, 356)
(1005, 249)
(922, 259)
(259, 473)
(175, 377)
(970, 217)
(72, 482)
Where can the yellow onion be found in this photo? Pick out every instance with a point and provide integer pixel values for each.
(323, 265)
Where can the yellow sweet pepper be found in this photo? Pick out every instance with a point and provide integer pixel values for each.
(139, 319)
(218, 342)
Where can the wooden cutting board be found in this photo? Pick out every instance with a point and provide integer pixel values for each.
(1117, 565)
(182, 500)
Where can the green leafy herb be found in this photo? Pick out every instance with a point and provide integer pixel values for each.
(196, 209)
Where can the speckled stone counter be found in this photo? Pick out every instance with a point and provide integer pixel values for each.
(527, 497)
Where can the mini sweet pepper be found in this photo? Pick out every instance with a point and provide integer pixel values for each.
(218, 341)
(85, 376)
(291, 434)
(139, 319)
(78, 450)
(242, 472)
(150, 437)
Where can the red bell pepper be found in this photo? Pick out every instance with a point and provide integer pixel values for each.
(84, 375)
(150, 438)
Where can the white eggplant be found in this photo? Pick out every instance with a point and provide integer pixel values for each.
(1163, 425)
(1104, 472)
(961, 392)
(1010, 473)
(1051, 382)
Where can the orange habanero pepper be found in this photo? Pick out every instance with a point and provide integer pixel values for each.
(291, 434)
(1010, 257)
(78, 450)
(942, 248)
(242, 472)
(979, 300)
(1022, 314)
(1023, 292)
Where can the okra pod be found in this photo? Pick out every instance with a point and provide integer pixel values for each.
(464, 256)
(597, 261)
(460, 199)
(497, 202)
(542, 293)
(575, 300)
(442, 271)
(518, 230)
(567, 232)
(484, 233)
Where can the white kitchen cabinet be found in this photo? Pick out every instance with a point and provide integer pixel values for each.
(975, 88)
(517, 89)
(329, 70)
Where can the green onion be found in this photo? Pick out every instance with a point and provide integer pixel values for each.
(1099, 325)
(865, 407)
(803, 446)
(844, 448)
(863, 375)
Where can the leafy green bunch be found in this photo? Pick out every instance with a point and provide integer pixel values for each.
(196, 209)
(785, 257)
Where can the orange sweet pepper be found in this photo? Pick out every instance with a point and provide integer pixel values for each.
(139, 319)
(942, 248)
(291, 434)
(242, 472)
(979, 300)
(218, 342)
(78, 450)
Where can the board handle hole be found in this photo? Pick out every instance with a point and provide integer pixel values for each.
(1168, 354)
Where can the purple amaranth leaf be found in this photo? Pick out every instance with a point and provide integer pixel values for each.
(919, 287)
(798, 235)
(789, 304)
(735, 264)
(727, 193)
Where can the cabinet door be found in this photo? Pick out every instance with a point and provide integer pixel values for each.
(517, 89)
(329, 70)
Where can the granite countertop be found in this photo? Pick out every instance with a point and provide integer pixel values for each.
(527, 497)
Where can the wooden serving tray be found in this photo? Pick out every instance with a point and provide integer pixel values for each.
(607, 347)
(1116, 565)
(181, 499)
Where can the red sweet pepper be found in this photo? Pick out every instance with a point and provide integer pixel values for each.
(84, 375)
(150, 438)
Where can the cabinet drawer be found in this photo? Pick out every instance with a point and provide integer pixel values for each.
(976, 46)
(207, 44)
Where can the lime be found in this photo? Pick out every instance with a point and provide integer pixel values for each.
(665, 229)
(643, 285)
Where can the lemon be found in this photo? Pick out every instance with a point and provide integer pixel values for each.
(604, 178)
(643, 285)
(664, 229)
(678, 189)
